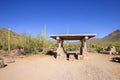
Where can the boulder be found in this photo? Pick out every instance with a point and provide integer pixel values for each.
(1, 63)
(10, 60)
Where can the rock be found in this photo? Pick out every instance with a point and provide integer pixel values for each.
(2, 63)
(116, 59)
(60, 52)
(3, 53)
(10, 60)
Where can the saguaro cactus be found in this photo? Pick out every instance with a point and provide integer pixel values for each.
(9, 39)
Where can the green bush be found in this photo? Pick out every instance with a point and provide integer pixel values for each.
(99, 45)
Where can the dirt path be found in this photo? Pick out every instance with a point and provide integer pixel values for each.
(97, 67)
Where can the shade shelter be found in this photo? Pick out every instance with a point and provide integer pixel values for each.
(82, 37)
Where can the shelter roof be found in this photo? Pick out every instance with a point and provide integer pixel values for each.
(72, 36)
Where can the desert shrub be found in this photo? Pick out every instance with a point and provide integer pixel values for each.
(1, 46)
(100, 45)
(30, 44)
(72, 46)
(118, 49)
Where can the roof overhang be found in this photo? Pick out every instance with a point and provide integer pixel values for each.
(72, 36)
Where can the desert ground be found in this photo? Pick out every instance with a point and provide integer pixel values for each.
(41, 67)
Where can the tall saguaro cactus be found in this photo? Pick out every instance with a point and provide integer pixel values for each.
(67, 30)
(9, 39)
(43, 36)
(44, 31)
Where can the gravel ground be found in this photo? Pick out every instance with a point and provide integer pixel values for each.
(37, 67)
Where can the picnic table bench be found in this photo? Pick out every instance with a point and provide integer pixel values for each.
(110, 50)
(75, 53)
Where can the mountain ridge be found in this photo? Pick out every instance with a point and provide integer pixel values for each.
(114, 36)
(4, 34)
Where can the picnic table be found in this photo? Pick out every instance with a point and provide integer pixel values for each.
(110, 50)
(75, 53)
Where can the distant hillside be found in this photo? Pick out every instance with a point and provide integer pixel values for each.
(4, 34)
(114, 36)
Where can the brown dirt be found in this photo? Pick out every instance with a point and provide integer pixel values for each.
(37, 67)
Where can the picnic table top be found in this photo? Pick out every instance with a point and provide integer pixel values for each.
(72, 52)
